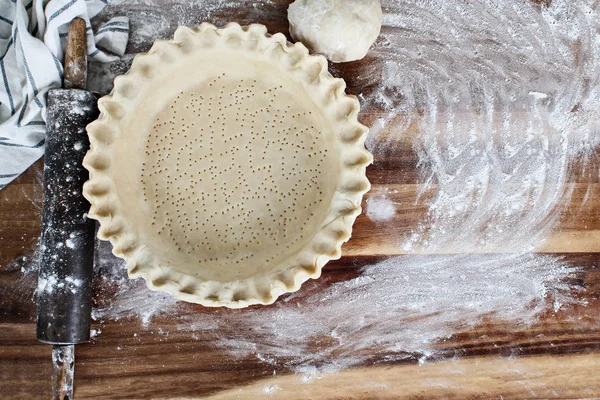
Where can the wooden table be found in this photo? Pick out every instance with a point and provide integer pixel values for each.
(558, 356)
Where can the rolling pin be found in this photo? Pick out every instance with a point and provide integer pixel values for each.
(64, 300)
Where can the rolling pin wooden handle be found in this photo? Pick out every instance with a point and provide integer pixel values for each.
(75, 76)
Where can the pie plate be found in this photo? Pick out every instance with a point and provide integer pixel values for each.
(227, 166)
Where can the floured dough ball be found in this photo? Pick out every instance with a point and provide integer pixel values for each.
(342, 30)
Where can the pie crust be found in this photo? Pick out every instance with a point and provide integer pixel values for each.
(227, 166)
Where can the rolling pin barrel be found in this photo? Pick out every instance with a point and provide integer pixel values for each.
(65, 275)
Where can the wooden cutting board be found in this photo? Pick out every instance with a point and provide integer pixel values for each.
(557, 356)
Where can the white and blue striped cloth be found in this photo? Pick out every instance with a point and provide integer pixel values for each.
(32, 38)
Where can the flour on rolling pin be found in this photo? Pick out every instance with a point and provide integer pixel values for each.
(66, 241)
(456, 64)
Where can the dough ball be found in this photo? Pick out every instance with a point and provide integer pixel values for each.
(342, 30)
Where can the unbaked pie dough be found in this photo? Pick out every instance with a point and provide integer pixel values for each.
(227, 166)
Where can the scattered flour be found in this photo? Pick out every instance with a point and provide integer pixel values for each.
(505, 96)
(130, 297)
(396, 309)
(380, 208)
(270, 389)
(95, 334)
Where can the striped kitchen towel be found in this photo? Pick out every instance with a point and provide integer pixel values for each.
(32, 38)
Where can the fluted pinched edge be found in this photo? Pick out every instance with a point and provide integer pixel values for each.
(328, 92)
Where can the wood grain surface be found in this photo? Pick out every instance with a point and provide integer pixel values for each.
(558, 356)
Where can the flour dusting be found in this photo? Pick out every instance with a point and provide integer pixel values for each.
(127, 297)
(504, 97)
(380, 208)
(395, 309)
